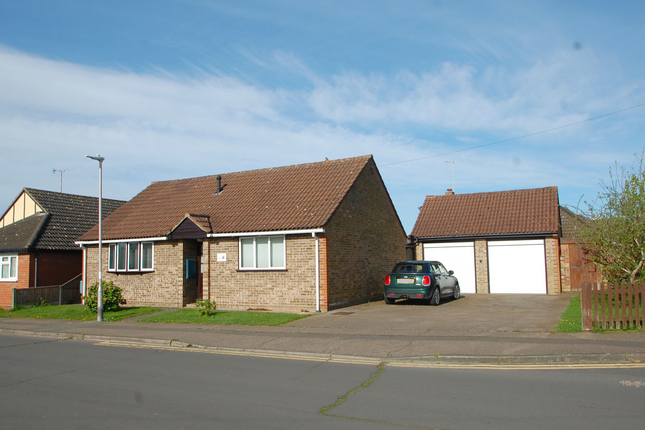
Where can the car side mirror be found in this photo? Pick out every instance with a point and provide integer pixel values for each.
(451, 272)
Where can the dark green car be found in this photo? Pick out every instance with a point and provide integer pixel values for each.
(420, 280)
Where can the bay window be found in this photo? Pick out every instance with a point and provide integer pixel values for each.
(131, 257)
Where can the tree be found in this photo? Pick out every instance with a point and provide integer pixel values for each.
(613, 230)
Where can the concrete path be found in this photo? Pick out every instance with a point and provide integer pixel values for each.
(474, 330)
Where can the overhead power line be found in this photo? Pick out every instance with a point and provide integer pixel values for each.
(516, 138)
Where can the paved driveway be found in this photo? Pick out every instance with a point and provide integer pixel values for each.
(471, 313)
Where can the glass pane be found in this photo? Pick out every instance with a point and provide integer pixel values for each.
(4, 269)
(262, 259)
(13, 271)
(146, 255)
(277, 252)
(133, 256)
(121, 256)
(112, 257)
(247, 252)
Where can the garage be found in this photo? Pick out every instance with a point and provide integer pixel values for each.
(517, 267)
(456, 256)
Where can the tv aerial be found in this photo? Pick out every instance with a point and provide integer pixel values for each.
(453, 170)
(54, 171)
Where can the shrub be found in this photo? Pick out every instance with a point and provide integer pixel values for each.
(42, 303)
(205, 307)
(112, 298)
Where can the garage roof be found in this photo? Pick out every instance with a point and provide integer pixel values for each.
(530, 211)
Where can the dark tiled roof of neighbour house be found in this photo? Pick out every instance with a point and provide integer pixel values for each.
(294, 197)
(517, 212)
(570, 221)
(65, 218)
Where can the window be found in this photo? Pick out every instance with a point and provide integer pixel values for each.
(263, 252)
(9, 268)
(131, 257)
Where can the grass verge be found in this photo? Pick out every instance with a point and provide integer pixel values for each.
(74, 312)
(571, 318)
(192, 316)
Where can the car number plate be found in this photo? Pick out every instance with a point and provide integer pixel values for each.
(406, 280)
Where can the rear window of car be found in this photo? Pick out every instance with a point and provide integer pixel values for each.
(408, 268)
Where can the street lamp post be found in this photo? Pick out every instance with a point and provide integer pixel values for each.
(99, 298)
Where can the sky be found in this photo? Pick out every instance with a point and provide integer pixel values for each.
(506, 94)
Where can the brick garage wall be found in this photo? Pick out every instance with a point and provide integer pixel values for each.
(291, 290)
(565, 267)
(552, 249)
(364, 241)
(481, 266)
(162, 287)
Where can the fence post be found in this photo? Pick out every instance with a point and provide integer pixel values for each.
(585, 303)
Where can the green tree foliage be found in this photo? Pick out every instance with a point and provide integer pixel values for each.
(112, 297)
(613, 233)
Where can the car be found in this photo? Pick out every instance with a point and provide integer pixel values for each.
(420, 280)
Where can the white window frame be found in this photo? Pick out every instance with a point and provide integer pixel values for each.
(5, 261)
(269, 249)
(115, 251)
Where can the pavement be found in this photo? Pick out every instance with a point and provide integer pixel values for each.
(476, 330)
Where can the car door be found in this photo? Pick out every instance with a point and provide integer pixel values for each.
(448, 281)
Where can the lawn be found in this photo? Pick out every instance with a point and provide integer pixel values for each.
(74, 312)
(192, 316)
(571, 318)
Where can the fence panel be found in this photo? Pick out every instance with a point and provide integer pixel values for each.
(613, 306)
(68, 293)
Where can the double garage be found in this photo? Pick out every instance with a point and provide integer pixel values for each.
(514, 266)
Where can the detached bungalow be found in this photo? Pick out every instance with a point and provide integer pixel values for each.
(37, 235)
(309, 237)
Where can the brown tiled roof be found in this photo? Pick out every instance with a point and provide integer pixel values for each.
(284, 198)
(570, 222)
(487, 214)
(67, 217)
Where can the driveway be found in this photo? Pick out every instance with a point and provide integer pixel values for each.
(470, 314)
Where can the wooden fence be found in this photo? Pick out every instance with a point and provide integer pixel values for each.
(66, 294)
(612, 306)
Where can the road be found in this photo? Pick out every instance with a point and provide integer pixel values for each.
(70, 384)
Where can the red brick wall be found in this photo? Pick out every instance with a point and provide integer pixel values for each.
(54, 268)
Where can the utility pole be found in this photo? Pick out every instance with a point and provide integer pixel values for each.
(453, 170)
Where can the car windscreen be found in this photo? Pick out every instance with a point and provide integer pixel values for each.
(409, 268)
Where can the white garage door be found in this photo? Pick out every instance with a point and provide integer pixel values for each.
(457, 256)
(517, 267)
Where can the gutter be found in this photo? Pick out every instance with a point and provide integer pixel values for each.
(311, 231)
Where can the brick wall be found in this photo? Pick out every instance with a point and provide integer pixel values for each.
(552, 249)
(163, 287)
(292, 290)
(54, 268)
(481, 266)
(364, 241)
(565, 267)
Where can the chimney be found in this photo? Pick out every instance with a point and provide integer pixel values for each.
(219, 184)
(450, 192)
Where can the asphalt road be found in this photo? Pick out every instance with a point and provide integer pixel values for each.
(45, 383)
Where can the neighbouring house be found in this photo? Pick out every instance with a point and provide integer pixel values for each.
(496, 242)
(576, 267)
(302, 238)
(37, 235)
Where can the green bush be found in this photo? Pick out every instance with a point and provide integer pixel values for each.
(205, 307)
(112, 298)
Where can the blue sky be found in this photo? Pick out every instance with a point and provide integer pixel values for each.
(175, 89)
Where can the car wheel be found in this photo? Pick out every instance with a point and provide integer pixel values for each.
(436, 297)
(457, 293)
(389, 300)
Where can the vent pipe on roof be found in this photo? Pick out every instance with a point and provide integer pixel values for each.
(219, 184)
(450, 192)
